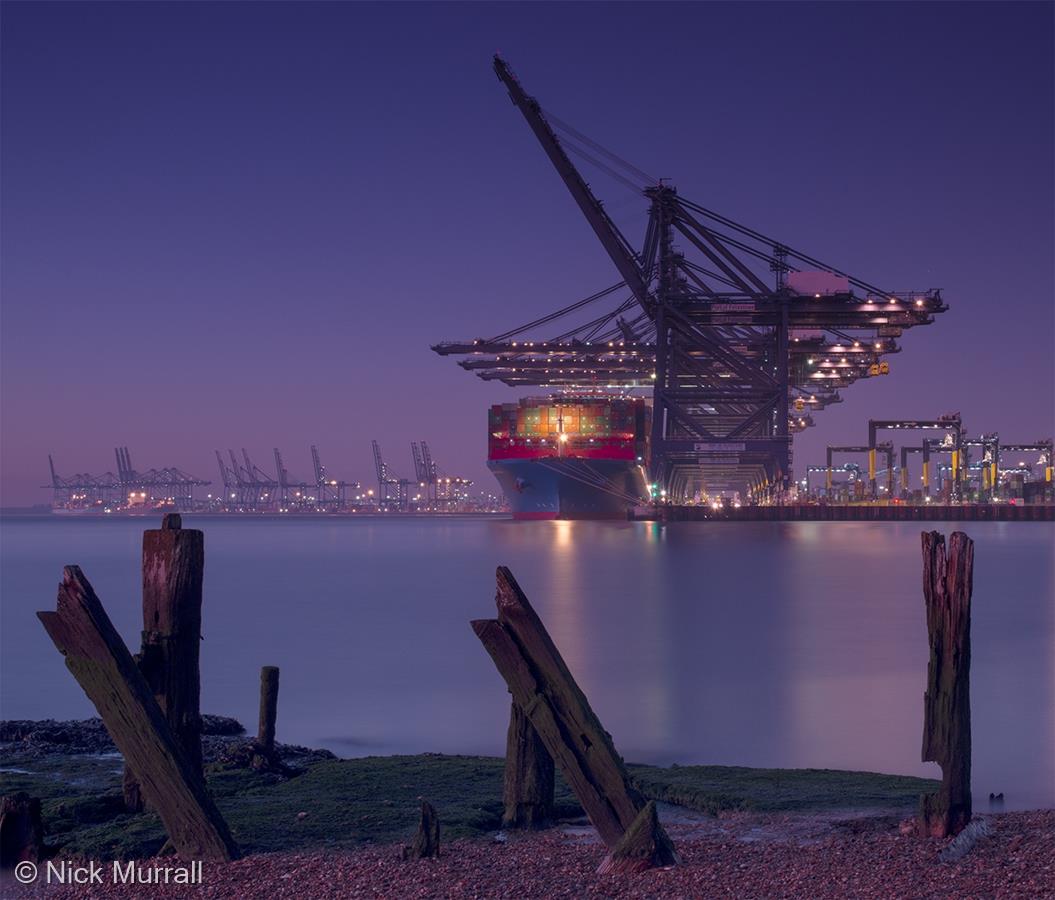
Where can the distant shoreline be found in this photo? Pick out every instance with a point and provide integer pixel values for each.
(36, 513)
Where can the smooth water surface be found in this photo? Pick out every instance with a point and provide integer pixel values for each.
(761, 644)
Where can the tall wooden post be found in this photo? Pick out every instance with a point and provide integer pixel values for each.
(529, 775)
(947, 586)
(268, 708)
(173, 567)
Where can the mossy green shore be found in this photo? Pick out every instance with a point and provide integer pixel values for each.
(346, 802)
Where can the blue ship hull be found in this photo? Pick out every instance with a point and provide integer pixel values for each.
(563, 488)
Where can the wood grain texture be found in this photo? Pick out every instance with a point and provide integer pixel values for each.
(170, 781)
(529, 775)
(173, 570)
(644, 846)
(948, 581)
(543, 687)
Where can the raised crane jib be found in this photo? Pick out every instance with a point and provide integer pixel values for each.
(611, 238)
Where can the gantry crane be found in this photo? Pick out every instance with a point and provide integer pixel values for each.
(950, 424)
(735, 345)
(331, 492)
(392, 492)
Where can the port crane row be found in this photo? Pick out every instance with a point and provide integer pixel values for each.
(981, 469)
(739, 337)
(249, 488)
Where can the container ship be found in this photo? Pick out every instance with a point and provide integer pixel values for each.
(566, 457)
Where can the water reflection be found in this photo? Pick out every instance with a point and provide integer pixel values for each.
(774, 644)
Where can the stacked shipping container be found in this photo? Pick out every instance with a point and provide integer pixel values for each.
(586, 427)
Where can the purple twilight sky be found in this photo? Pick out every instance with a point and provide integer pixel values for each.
(243, 224)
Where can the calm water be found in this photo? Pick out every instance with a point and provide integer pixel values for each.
(762, 644)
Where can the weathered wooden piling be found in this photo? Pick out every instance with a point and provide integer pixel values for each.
(544, 689)
(268, 708)
(173, 568)
(170, 781)
(947, 587)
(645, 842)
(21, 830)
(427, 838)
(529, 775)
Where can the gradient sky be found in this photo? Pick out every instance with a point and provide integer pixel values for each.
(243, 224)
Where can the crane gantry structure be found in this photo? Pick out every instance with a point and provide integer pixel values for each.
(170, 486)
(739, 339)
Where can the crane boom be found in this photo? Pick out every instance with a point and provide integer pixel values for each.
(379, 463)
(617, 246)
(280, 470)
(427, 464)
(419, 465)
(320, 471)
(224, 474)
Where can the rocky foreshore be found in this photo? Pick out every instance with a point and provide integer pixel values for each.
(742, 855)
(327, 827)
(46, 737)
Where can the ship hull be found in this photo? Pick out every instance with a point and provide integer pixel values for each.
(563, 488)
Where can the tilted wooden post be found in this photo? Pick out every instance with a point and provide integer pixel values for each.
(171, 783)
(947, 586)
(173, 567)
(557, 709)
(268, 708)
(529, 775)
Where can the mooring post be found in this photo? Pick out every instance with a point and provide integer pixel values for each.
(947, 587)
(21, 830)
(268, 708)
(529, 775)
(173, 568)
(544, 689)
(99, 660)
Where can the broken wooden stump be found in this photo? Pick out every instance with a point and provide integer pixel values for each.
(170, 781)
(268, 707)
(544, 689)
(529, 775)
(21, 831)
(427, 838)
(644, 842)
(173, 567)
(265, 757)
(947, 587)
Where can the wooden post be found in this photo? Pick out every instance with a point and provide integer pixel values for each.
(528, 788)
(173, 566)
(427, 838)
(268, 708)
(557, 709)
(21, 830)
(947, 586)
(171, 783)
(644, 842)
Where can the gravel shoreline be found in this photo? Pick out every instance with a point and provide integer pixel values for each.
(738, 855)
